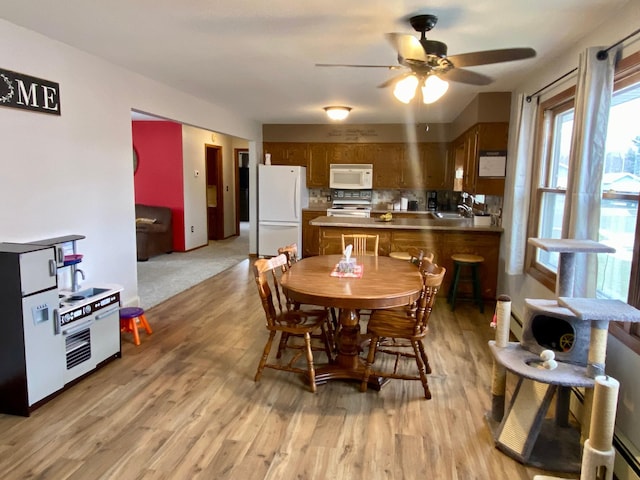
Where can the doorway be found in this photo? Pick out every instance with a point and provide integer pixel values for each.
(242, 186)
(215, 194)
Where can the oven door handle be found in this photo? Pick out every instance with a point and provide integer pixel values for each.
(78, 328)
(102, 315)
(56, 322)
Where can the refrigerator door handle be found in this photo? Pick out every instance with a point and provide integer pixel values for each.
(56, 322)
(296, 197)
(53, 268)
(278, 224)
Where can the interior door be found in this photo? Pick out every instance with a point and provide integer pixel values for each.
(215, 193)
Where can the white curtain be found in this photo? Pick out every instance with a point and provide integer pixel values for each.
(582, 203)
(518, 186)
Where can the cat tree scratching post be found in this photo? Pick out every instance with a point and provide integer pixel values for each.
(525, 433)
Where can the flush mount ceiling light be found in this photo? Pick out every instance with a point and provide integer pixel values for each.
(337, 113)
(433, 88)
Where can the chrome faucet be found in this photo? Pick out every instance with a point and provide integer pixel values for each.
(466, 210)
(75, 286)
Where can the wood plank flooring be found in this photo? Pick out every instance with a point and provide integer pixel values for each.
(183, 405)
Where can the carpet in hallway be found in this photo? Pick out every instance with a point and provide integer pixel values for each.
(164, 276)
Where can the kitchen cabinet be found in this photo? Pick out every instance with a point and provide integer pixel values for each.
(414, 166)
(318, 166)
(287, 153)
(485, 244)
(466, 150)
(443, 243)
(491, 137)
(435, 160)
(331, 239)
(395, 165)
(387, 164)
(347, 153)
(310, 233)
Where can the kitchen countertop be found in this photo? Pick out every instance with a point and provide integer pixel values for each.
(465, 224)
(376, 210)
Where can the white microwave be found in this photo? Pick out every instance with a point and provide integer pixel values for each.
(349, 176)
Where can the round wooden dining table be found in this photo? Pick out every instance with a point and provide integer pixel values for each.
(385, 282)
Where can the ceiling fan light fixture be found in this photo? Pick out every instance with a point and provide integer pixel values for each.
(433, 89)
(337, 112)
(405, 89)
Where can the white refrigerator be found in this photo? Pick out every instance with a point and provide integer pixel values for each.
(282, 194)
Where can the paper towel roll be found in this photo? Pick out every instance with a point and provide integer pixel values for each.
(603, 413)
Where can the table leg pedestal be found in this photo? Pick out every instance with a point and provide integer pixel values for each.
(348, 364)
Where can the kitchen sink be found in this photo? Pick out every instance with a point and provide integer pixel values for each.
(446, 215)
(91, 292)
(84, 294)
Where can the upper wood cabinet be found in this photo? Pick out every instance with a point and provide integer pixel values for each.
(438, 173)
(491, 137)
(346, 153)
(318, 166)
(395, 165)
(287, 153)
(483, 137)
(386, 159)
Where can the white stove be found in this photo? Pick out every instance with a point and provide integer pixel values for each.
(350, 203)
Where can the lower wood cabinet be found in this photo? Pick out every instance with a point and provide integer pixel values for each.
(331, 239)
(310, 233)
(443, 244)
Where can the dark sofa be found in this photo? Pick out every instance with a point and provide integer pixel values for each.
(154, 231)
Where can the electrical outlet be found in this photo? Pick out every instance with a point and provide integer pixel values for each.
(191, 228)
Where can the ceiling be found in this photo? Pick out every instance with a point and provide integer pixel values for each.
(258, 57)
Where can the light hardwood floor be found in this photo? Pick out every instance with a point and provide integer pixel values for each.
(184, 405)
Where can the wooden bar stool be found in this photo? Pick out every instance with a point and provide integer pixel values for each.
(400, 255)
(460, 261)
(129, 319)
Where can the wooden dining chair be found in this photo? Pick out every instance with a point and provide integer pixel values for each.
(412, 329)
(291, 252)
(363, 244)
(418, 255)
(280, 318)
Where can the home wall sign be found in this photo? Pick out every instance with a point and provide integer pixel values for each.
(18, 90)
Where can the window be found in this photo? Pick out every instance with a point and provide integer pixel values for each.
(618, 276)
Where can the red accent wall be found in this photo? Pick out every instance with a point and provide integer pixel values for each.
(158, 179)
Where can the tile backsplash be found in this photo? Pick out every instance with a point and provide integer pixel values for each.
(448, 200)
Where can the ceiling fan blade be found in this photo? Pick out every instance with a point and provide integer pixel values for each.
(467, 76)
(407, 46)
(393, 80)
(491, 56)
(390, 67)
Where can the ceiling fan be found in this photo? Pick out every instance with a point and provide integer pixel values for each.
(430, 66)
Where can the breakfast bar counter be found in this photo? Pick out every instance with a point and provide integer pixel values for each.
(442, 236)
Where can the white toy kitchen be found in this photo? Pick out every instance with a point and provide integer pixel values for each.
(51, 337)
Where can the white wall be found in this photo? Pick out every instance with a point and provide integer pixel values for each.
(621, 361)
(195, 197)
(73, 173)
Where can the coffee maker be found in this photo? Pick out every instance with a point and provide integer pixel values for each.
(432, 200)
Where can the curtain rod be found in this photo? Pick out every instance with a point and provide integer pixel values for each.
(602, 54)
